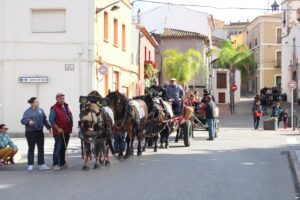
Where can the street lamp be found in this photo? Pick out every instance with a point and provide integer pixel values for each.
(115, 7)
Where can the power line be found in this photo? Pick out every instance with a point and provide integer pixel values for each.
(208, 6)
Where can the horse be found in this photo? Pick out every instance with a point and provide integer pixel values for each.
(157, 116)
(130, 116)
(96, 122)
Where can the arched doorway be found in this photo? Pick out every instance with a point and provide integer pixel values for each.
(296, 90)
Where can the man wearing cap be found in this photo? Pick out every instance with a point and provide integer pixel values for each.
(174, 92)
(62, 121)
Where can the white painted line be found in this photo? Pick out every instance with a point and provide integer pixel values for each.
(292, 141)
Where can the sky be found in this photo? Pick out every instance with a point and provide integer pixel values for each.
(222, 14)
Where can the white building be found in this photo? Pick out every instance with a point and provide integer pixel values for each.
(291, 46)
(52, 39)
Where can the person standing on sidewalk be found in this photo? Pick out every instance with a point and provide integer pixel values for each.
(62, 121)
(257, 113)
(210, 109)
(285, 117)
(7, 148)
(277, 113)
(34, 119)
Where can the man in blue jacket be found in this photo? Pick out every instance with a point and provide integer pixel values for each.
(174, 93)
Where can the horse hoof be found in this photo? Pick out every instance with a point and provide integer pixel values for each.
(85, 168)
(107, 163)
(166, 146)
(120, 157)
(139, 153)
(101, 162)
(132, 153)
(155, 150)
(96, 166)
(144, 149)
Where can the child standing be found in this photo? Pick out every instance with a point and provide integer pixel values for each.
(285, 117)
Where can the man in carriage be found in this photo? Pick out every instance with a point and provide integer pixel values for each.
(174, 93)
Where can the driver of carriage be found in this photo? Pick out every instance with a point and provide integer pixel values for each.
(174, 92)
(156, 89)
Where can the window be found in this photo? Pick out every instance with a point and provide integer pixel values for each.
(125, 91)
(149, 55)
(278, 82)
(298, 15)
(106, 26)
(115, 81)
(106, 84)
(284, 18)
(250, 45)
(278, 59)
(255, 41)
(48, 20)
(221, 80)
(116, 33)
(279, 36)
(145, 53)
(123, 37)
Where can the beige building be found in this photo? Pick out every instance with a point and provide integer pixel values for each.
(114, 50)
(263, 37)
(235, 28)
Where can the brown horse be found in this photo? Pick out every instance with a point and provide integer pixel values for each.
(96, 122)
(130, 116)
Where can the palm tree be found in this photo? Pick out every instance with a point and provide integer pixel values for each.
(235, 58)
(182, 66)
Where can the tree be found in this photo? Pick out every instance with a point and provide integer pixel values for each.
(183, 66)
(233, 58)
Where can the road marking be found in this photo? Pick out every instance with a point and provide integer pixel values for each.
(292, 141)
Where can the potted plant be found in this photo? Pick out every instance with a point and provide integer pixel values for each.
(271, 124)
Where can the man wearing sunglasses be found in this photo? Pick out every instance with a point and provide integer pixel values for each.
(7, 148)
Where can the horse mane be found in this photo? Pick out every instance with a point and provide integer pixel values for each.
(113, 96)
(147, 99)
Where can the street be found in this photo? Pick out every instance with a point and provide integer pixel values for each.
(242, 164)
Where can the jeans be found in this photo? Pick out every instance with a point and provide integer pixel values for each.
(211, 128)
(177, 107)
(59, 153)
(256, 122)
(35, 138)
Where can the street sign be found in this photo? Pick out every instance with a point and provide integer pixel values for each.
(39, 79)
(292, 84)
(103, 70)
(234, 88)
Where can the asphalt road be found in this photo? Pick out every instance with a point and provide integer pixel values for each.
(242, 164)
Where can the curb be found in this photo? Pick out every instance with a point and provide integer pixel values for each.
(295, 167)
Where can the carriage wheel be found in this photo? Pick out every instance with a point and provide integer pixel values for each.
(188, 132)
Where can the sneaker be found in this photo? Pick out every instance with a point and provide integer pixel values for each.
(44, 167)
(30, 167)
(65, 166)
(56, 168)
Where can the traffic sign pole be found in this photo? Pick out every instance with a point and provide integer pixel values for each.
(292, 85)
(292, 109)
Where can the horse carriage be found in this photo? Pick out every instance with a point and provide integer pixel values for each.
(143, 117)
(180, 122)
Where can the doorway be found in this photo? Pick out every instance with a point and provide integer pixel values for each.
(222, 97)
